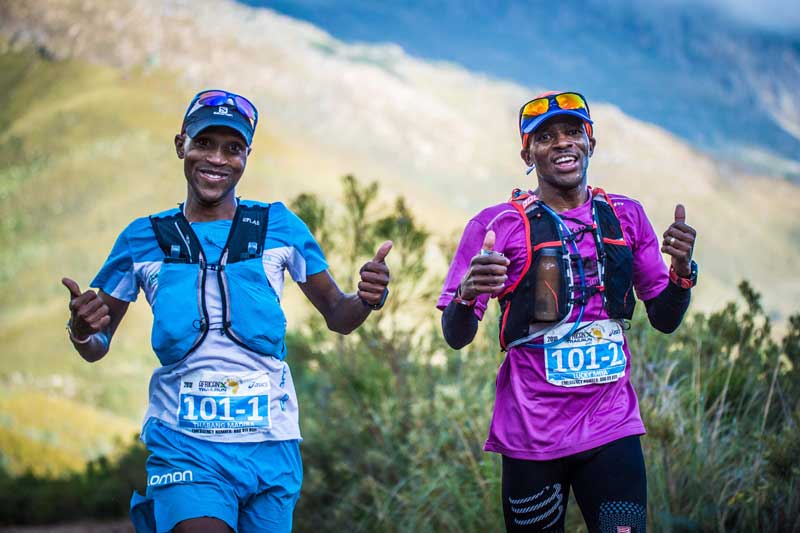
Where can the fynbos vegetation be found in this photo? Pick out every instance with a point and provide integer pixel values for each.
(394, 421)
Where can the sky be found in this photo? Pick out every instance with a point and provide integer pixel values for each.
(782, 16)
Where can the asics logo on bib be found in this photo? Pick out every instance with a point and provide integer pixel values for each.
(170, 477)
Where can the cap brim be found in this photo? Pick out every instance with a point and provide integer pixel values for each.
(194, 128)
(536, 122)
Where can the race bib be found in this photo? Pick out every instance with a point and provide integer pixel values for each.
(220, 404)
(593, 354)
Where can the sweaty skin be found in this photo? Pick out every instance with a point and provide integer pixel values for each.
(213, 164)
(560, 149)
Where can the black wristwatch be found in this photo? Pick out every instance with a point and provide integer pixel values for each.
(684, 283)
(379, 305)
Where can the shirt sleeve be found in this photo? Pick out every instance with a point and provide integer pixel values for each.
(309, 258)
(650, 274)
(117, 277)
(468, 247)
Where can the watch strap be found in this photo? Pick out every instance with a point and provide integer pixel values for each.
(461, 301)
(684, 283)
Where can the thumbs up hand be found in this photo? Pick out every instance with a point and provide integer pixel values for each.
(89, 313)
(487, 271)
(372, 289)
(679, 243)
(488, 243)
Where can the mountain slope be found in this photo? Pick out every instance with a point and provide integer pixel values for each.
(93, 93)
(690, 67)
(433, 131)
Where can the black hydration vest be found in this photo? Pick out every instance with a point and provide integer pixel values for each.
(615, 268)
(251, 313)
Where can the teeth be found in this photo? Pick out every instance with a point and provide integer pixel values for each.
(564, 159)
(212, 173)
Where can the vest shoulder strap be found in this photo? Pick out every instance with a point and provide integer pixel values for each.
(246, 237)
(608, 218)
(248, 232)
(176, 238)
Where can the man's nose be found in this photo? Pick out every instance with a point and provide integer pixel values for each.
(562, 139)
(216, 156)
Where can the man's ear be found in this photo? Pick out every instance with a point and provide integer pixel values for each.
(592, 144)
(180, 140)
(525, 154)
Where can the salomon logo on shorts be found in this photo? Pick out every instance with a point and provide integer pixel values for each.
(169, 478)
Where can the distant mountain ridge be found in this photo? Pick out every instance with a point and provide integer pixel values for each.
(731, 88)
(92, 93)
(443, 136)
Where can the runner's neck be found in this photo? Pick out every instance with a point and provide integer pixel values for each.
(560, 200)
(194, 211)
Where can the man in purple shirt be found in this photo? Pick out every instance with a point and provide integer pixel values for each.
(564, 261)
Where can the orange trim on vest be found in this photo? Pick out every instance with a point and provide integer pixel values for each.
(598, 190)
(549, 244)
(503, 327)
(528, 254)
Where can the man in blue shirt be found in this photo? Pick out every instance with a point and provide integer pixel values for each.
(222, 423)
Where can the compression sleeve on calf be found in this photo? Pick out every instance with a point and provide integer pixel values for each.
(459, 324)
(666, 310)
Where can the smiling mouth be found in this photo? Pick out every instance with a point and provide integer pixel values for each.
(212, 175)
(565, 162)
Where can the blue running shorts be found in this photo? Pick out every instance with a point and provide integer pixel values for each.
(251, 486)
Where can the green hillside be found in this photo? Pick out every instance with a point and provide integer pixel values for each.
(80, 146)
(83, 150)
(86, 147)
(393, 421)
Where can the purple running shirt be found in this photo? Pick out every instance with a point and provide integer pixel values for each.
(539, 412)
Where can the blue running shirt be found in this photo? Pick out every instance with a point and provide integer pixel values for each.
(199, 395)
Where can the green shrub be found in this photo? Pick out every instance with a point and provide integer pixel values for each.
(394, 421)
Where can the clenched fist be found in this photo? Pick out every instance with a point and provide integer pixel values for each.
(679, 243)
(89, 313)
(375, 278)
(487, 271)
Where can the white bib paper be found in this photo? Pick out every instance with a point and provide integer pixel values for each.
(219, 404)
(591, 355)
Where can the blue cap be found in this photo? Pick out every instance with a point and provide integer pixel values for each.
(574, 104)
(535, 122)
(220, 115)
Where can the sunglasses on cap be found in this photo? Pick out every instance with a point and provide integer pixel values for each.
(217, 98)
(534, 112)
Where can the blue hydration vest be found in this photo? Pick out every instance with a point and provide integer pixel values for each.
(251, 313)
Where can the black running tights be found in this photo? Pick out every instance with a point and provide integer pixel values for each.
(609, 483)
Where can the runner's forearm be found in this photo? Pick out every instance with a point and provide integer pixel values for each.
(666, 310)
(459, 325)
(349, 313)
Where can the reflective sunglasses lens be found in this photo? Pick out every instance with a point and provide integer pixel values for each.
(245, 107)
(213, 98)
(570, 101)
(537, 107)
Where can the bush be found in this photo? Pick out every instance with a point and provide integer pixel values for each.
(394, 422)
(103, 490)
